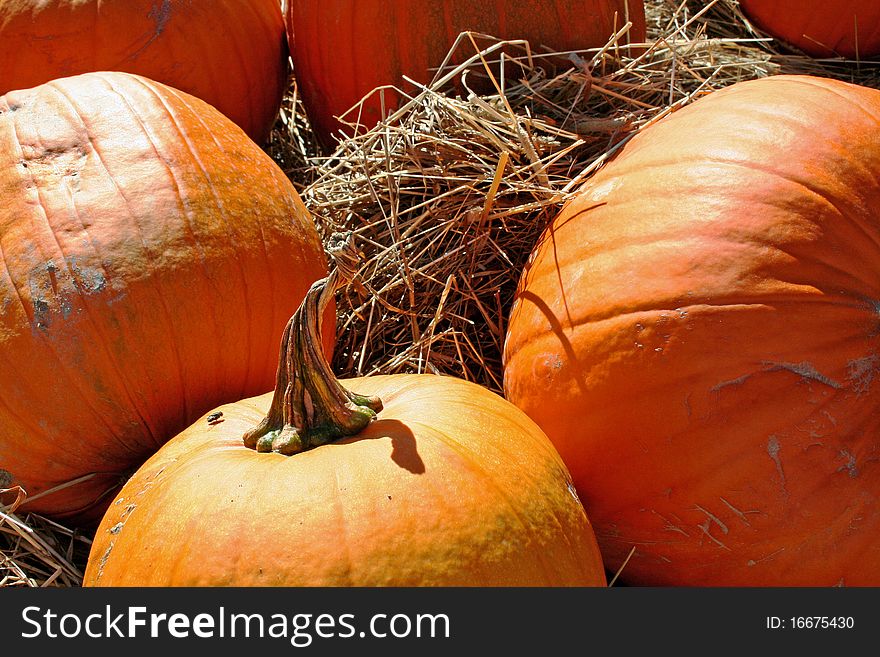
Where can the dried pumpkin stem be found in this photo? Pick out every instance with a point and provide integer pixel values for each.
(310, 407)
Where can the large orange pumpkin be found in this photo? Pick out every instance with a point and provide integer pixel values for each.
(343, 49)
(843, 28)
(230, 53)
(699, 335)
(307, 486)
(139, 231)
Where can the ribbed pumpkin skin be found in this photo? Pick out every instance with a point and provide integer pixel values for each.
(450, 485)
(842, 28)
(699, 335)
(139, 232)
(342, 50)
(230, 53)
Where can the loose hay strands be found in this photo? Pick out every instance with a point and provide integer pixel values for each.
(723, 20)
(37, 552)
(292, 143)
(450, 193)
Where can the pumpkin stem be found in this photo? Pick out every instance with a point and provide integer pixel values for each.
(310, 407)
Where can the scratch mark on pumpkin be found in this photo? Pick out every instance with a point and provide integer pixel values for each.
(705, 528)
(87, 279)
(773, 448)
(5, 478)
(732, 382)
(755, 562)
(669, 526)
(713, 518)
(803, 369)
(739, 514)
(160, 14)
(707, 525)
(849, 465)
(103, 561)
(861, 372)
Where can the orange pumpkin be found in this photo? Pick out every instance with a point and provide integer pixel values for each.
(230, 53)
(698, 333)
(139, 230)
(342, 50)
(843, 28)
(441, 482)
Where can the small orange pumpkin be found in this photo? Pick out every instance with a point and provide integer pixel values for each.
(442, 482)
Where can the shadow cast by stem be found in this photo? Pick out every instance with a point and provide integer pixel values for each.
(404, 451)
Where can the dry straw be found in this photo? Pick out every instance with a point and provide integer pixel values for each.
(449, 194)
(37, 551)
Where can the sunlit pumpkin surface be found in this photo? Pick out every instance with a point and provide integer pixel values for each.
(140, 232)
(699, 336)
(449, 485)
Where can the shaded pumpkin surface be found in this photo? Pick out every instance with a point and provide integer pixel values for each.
(698, 333)
(844, 28)
(230, 53)
(449, 485)
(139, 230)
(342, 50)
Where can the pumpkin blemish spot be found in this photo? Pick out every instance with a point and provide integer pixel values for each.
(104, 558)
(861, 372)
(773, 450)
(805, 370)
(732, 382)
(850, 463)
